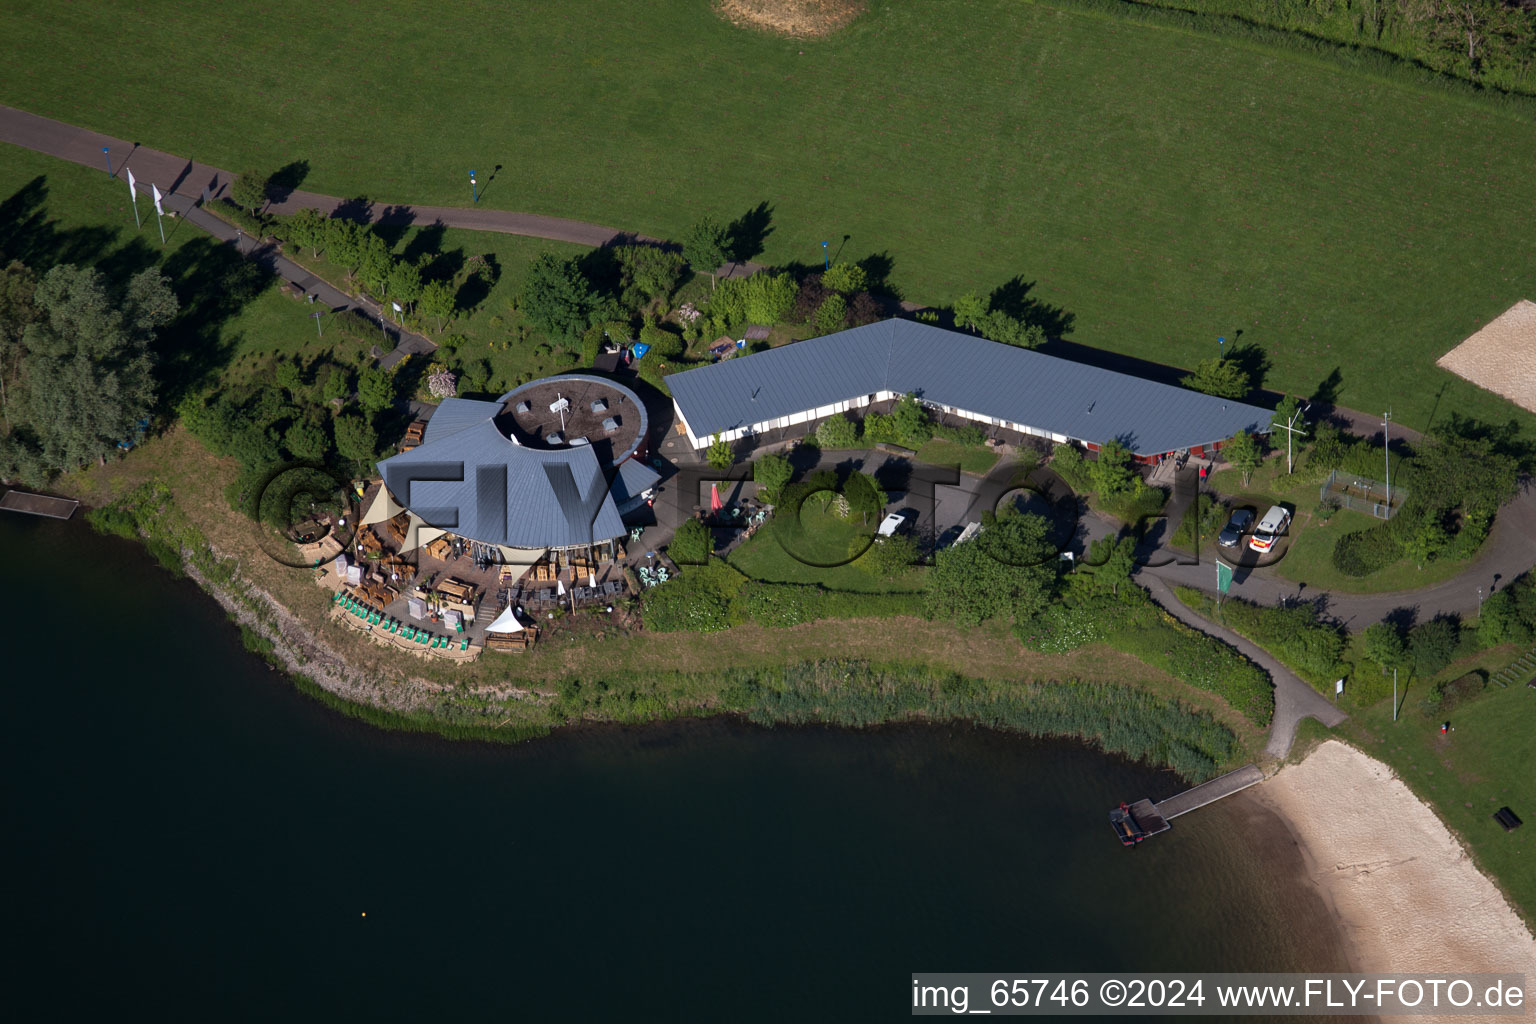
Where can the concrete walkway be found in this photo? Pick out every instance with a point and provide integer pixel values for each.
(175, 174)
(1295, 699)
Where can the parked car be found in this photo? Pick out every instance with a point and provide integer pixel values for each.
(1231, 535)
(892, 523)
(1269, 529)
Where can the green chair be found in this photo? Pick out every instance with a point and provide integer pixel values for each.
(464, 646)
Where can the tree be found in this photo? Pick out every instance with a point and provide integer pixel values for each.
(837, 431)
(829, 316)
(691, 543)
(1112, 561)
(344, 243)
(650, 271)
(1425, 542)
(307, 229)
(771, 472)
(18, 286)
(437, 302)
(865, 498)
(87, 368)
(1384, 645)
(356, 439)
(720, 456)
(845, 278)
(970, 311)
(337, 384)
(1010, 330)
(405, 282)
(910, 421)
(665, 345)
(1111, 472)
(557, 298)
(1220, 377)
(305, 441)
(705, 246)
(374, 263)
(1244, 453)
(1432, 645)
(970, 583)
(250, 191)
(376, 389)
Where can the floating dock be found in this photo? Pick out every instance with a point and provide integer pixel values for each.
(1148, 819)
(39, 504)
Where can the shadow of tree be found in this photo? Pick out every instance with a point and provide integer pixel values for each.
(29, 235)
(877, 267)
(1013, 297)
(1253, 361)
(1327, 390)
(214, 283)
(426, 242)
(286, 179)
(359, 208)
(746, 234)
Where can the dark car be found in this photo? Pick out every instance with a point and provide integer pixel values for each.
(1232, 534)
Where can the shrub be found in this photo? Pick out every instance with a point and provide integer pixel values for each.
(664, 344)
(837, 431)
(1208, 513)
(1432, 645)
(1069, 464)
(697, 600)
(830, 314)
(1294, 634)
(1362, 552)
(691, 544)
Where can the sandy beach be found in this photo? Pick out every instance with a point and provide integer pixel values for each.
(1407, 896)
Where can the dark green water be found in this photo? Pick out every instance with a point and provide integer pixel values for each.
(186, 834)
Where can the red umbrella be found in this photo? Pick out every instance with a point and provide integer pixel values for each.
(715, 504)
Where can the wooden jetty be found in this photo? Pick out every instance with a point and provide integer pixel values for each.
(39, 504)
(1137, 821)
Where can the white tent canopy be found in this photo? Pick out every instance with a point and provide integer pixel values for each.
(418, 533)
(506, 622)
(521, 556)
(383, 508)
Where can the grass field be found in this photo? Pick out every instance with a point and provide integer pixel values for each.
(1468, 774)
(1158, 187)
(825, 539)
(939, 452)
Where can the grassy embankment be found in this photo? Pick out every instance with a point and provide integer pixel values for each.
(1141, 178)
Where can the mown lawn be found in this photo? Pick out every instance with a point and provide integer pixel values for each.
(1158, 188)
(973, 460)
(1487, 763)
(826, 540)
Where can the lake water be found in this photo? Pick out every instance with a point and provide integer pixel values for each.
(185, 834)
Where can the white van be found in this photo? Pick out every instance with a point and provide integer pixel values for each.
(1269, 529)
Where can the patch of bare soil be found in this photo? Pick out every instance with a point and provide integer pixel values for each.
(798, 18)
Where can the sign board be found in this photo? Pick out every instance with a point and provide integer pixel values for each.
(1338, 687)
(1223, 577)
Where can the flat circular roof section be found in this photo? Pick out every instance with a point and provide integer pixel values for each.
(573, 409)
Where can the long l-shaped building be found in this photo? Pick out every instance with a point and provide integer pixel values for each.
(989, 383)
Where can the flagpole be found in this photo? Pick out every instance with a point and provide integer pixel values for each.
(133, 199)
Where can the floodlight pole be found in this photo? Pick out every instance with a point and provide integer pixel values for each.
(318, 332)
(1394, 695)
(1291, 430)
(826, 261)
(106, 151)
(1386, 451)
(474, 188)
(1223, 343)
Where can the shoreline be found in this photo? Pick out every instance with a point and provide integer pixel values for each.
(1407, 896)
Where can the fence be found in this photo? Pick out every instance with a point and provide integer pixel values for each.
(1362, 495)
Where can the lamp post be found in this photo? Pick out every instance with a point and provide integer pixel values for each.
(106, 151)
(1222, 342)
(474, 188)
(1386, 427)
(826, 262)
(1479, 604)
(1290, 428)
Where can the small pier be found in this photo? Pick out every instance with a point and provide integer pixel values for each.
(39, 504)
(1144, 818)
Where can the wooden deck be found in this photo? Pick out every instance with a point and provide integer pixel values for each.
(39, 504)
(1145, 813)
(1206, 793)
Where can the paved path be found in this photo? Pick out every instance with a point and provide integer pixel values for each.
(189, 178)
(1294, 698)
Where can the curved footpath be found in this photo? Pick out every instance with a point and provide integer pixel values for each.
(1509, 551)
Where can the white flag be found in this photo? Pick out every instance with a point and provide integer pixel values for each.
(592, 579)
(158, 208)
(133, 191)
(560, 587)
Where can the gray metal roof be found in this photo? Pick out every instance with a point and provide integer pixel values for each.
(477, 483)
(1050, 394)
(454, 414)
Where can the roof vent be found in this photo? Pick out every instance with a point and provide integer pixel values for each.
(522, 406)
(555, 438)
(611, 424)
(600, 405)
(560, 405)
